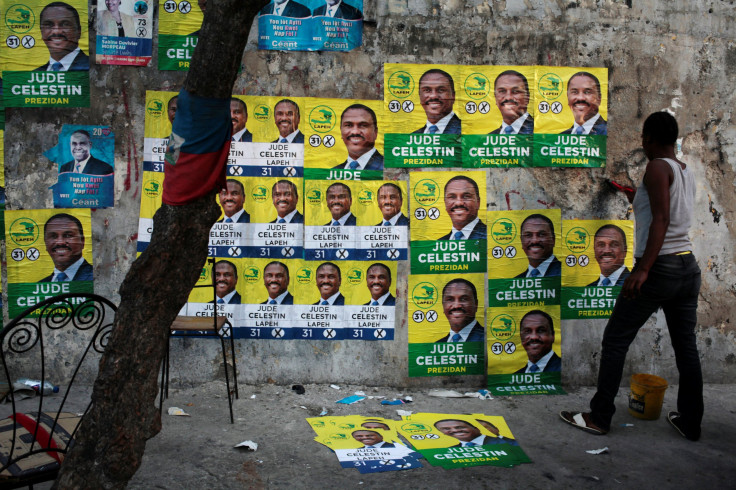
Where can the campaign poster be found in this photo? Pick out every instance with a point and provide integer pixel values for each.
(152, 188)
(498, 128)
(267, 137)
(347, 220)
(276, 217)
(311, 25)
(570, 116)
(598, 259)
(446, 324)
(49, 252)
(86, 159)
(523, 264)
(422, 115)
(44, 53)
(230, 236)
(369, 445)
(448, 224)
(178, 32)
(524, 350)
(125, 32)
(452, 440)
(2, 178)
(226, 299)
(160, 112)
(320, 290)
(345, 139)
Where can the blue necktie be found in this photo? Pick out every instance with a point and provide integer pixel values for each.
(534, 273)
(283, 140)
(281, 220)
(353, 164)
(325, 302)
(533, 368)
(469, 444)
(57, 66)
(272, 302)
(375, 303)
(508, 130)
(220, 301)
(579, 130)
(61, 277)
(386, 223)
(458, 235)
(228, 220)
(606, 282)
(335, 223)
(457, 337)
(433, 129)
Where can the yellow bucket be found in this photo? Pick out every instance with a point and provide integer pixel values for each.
(647, 394)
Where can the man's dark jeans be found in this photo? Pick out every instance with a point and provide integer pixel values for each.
(673, 284)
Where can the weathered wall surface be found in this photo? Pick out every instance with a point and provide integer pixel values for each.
(677, 55)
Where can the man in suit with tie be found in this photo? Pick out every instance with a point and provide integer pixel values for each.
(390, 201)
(286, 116)
(436, 96)
(537, 336)
(338, 9)
(371, 439)
(584, 99)
(511, 91)
(494, 430)
(459, 304)
(328, 281)
(276, 280)
(378, 280)
(609, 247)
(171, 107)
(63, 236)
(465, 432)
(286, 8)
(462, 202)
(80, 145)
(359, 130)
(60, 31)
(239, 116)
(226, 277)
(538, 243)
(339, 200)
(285, 198)
(231, 200)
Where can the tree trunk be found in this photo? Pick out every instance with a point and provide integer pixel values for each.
(112, 436)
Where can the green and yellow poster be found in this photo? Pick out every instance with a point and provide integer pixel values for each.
(152, 187)
(598, 259)
(44, 54)
(178, 32)
(160, 113)
(49, 252)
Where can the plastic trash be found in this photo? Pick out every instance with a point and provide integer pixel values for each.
(334, 387)
(395, 401)
(349, 400)
(177, 411)
(249, 445)
(48, 388)
(598, 451)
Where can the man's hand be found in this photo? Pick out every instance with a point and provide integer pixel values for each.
(633, 283)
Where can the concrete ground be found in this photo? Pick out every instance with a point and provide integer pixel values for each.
(197, 452)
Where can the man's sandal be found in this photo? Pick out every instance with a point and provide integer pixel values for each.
(582, 421)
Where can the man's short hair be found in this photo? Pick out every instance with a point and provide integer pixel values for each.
(661, 127)
(65, 6)
(385, 268)
(65, 216)
(276, 262)
(439, 72)
(235, 269)
(614, 228)
(245, 107)
(516, 74)
(332, 264)
(290, 183)
(589, 75)
(363, 108)
(543, 218)
(453, 420)
(240, 184)
(84, 132)
(462, 177)
(168, 104)
(389, 184)
(288, 101)
(464, 282)
(542, 313)
(366, 430)
(340, 184)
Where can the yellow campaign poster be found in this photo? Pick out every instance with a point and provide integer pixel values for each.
(160, 113)
(45, 54)
(523, 257)
(231, 235)
(599, 258)
(448, 224)
(446, 324)
(570, 116)
(268, 138)
(152, 187)
(49, 252)
(423, 107)
(178, 32)
(498, 122)
(345, 139)
(524, 350)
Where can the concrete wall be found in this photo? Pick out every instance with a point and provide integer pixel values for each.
(678, 55)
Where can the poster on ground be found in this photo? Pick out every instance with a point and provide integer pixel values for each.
(125, 32)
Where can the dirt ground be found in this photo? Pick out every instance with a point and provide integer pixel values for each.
(197, 451)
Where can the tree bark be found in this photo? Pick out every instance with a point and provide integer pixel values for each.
(112, 436)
